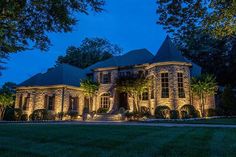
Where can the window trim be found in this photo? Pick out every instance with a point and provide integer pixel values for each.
(165, 92)
(105, 100)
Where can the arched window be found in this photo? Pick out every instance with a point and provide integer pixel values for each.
(105, 100)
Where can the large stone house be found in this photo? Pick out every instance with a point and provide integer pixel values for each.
(58, 90)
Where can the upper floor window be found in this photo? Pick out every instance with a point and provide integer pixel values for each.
(180, 85)
(105, 78)
(164, 85)
(49, 102)
(26, 102)
(73, 103)
(105, 100)
(145, 95)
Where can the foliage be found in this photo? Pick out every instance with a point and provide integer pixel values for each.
(203, 86)
(134, 86)
(205, 32)
(73, 115)
(162, 112)
(121, 110)
(188, 111)
(40, 114)
(25, 24)
(8, 88)
(13, 114)
(89, 88)
(24, 117)
(216, 17)
(92, 50)
(6, 100)
(145, 111)
(227, 102)
(102, 110)
(174, 114)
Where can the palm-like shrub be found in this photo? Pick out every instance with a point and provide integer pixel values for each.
(202, 87)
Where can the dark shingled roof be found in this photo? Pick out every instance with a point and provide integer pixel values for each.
(168, 53)
(62, 74)
(135, 57)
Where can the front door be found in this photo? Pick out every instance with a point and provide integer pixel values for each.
(123, 100)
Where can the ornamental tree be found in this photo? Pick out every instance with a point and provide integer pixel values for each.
(203, 87)
(6, 100)
(90, 88)
(134, 86)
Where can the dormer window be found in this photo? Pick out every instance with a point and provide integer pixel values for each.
(105, 78)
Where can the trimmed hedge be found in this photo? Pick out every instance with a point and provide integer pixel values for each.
(13, 114)
(188, 111)
(40, 114)
(73, 114)
(162, 112)
(174, 114)
(102, 110)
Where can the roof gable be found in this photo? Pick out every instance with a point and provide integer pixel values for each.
(168, 52)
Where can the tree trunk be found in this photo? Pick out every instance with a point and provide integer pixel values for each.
(2, 112)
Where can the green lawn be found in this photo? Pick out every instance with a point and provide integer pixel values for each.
(224, 121)
(114, 141)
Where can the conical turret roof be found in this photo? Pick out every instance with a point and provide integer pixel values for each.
(168, 53)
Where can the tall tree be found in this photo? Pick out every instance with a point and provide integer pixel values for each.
(25, 24)
(89, 52)
(204, 31)
(203, 87)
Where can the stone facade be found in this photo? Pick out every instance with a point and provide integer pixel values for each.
(36, 95)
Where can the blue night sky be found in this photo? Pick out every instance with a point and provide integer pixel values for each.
(129, 23)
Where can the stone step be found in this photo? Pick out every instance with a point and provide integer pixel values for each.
(108, 117)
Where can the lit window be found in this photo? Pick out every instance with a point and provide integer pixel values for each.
(164, 85)
(49, 102)
(180, 85)
(105, 100)
(26, 102)
(73, 103)
(145, 95)
(152, 88)
(105, 78)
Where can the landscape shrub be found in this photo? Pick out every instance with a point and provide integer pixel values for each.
(190, 111)
(102, 110)
(73, 114)
(122, 110)
(13, 114)
(24, 117)
(184, 114)
(174, 114)
(210, 112)
(162, 112)
(145, 111)
(40, 114)
(51, 116)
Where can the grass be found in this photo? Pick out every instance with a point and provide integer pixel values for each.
(67, 140)
(223, 121)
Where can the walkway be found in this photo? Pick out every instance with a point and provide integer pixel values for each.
(122, 124)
